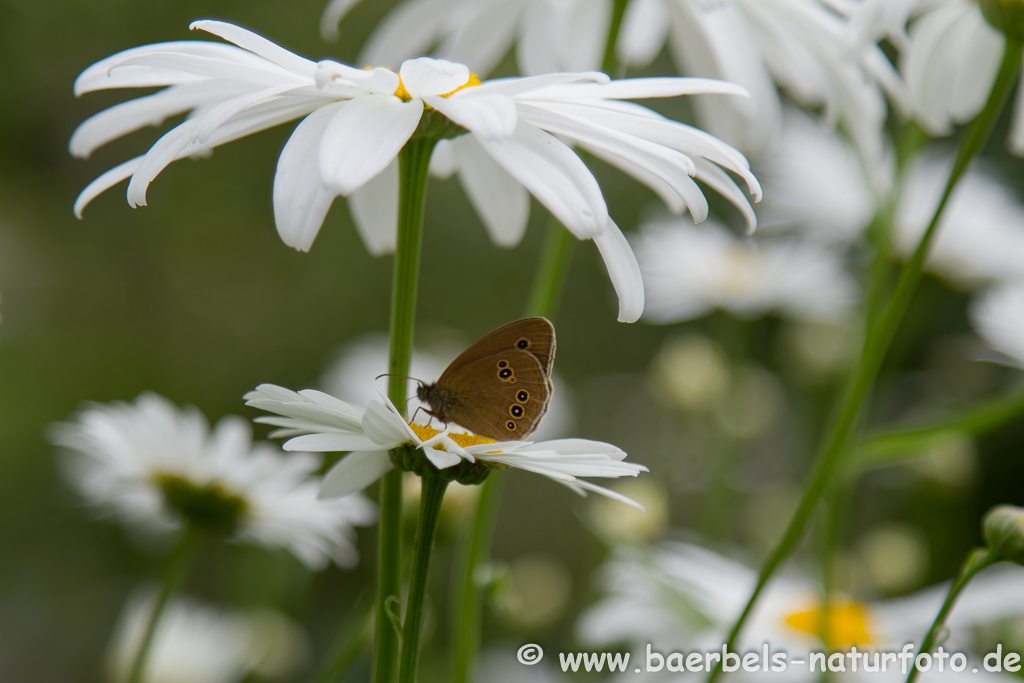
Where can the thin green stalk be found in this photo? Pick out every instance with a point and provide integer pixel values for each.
(976, 561)
(347, 646)
(894, 445)
(430, 509)
(545, 296)
(175, 567)
(837, 505)
(473, 550)
(413, 162)
(876, 345)
(610, 62)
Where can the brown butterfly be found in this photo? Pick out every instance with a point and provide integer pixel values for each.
(499, 387)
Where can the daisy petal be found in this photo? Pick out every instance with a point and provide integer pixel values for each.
(385, 427)
(106, 181)
(363, 137)
(329, 443)
(624, 272)
(332, 16)
(258, 45)
(428, 76)
(353, 473)
(487, 115)
(501, 202)
(374, 209)
(555, 175)
(300, 201)
(441, 459)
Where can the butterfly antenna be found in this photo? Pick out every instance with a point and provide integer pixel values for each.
(388, 374)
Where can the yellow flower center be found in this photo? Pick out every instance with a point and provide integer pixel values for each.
(848, 624)
(463, 439)
(404, 95)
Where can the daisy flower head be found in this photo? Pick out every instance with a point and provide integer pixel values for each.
(998, 316)
(679, 596)
(689, 270)
(507, 135)
(315, 421)
(156, 466)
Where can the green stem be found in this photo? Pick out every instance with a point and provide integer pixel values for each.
(975, 562)
(610, 62)
(895, 444)
(876, 344)
(347, 646)
(430, 509)
(175, 568)
(413, 162)
(474, 548)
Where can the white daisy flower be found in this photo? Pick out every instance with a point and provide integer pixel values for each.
(356, 122)
(981, 234)
(154, 465)
(351, 374)
(316, 421)
(801, 46)
(816, 184)
(680, 597)
(998, 316)
(949, 61)
(195, 643)
(689, 270)
(549, 35)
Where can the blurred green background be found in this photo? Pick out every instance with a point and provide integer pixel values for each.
(196, 298)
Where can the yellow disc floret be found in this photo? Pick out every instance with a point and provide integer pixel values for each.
(848, 624)
(462, 438)
(403, 94)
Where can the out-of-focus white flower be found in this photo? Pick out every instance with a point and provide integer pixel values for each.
(680, 597)
(690, 270)
(195, 643)
(319, 422)
(950, 61)
(981, 233)
(351, 375)
(802, 46)
(155, 465)
(816, 184)
(549, 35)
(998, 316)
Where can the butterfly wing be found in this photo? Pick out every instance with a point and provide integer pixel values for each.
(536, 336)
(502, 396)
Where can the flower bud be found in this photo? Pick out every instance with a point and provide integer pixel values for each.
(1004, 532)
(1006, 16)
